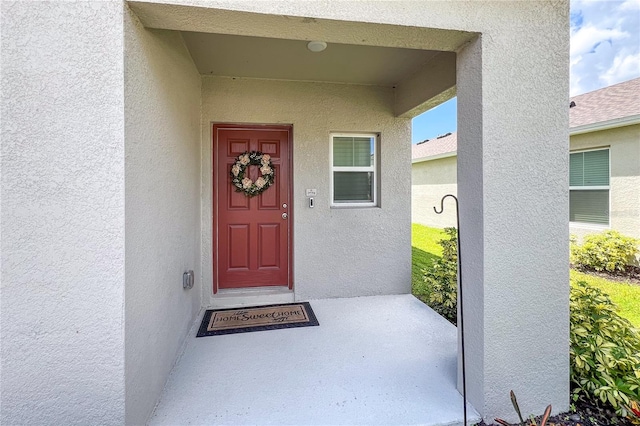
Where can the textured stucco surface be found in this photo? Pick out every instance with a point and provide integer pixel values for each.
(624, 192)
(513, 187)
(62, 291)
(436, 82)
(62, 63)
(162, 135)
(414, 25)
(430, 181)
(338, 252)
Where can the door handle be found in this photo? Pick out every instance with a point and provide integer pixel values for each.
(284, 215)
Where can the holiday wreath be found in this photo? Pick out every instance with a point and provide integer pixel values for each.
(246, 185)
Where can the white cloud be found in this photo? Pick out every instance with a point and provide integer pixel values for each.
(623, 68)
(605, 43)
(586, 38)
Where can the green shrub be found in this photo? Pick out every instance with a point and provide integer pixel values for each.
(608, 251)
(573, 245)
(442, 279)
(605, 350)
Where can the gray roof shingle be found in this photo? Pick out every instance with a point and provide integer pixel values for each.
(438, 146)
(609, 103)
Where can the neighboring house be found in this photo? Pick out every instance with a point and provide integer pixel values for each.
(604, 178)
(120, 124)
(433, 175)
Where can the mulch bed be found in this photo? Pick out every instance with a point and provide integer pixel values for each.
(586, 414)
(631, 276)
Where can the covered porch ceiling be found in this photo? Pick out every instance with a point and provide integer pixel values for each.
(418, 63)
(260, 57)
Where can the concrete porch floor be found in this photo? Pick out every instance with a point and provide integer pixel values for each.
(385, 360)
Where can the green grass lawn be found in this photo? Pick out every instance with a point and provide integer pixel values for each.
(625, 295)
(424, 247)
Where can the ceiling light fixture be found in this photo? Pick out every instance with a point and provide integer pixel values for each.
(316, 46)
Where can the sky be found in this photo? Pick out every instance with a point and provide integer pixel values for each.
(605, 50)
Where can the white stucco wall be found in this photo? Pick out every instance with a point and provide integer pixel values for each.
(624, 192)
(513, 237)
(62, 220)
(338, 252)
(430, 181)
(62, 64)
(162, 166)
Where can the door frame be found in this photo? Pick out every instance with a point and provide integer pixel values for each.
(215, 127)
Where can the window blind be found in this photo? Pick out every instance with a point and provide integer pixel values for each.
(589, 168)
(589, 206)
(588, 171)
(352, 151)
(353, 186)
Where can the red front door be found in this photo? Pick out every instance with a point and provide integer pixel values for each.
(251, 235)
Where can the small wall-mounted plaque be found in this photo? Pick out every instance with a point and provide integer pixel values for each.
(311, 192)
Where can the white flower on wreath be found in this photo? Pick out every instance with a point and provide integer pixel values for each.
(260, 182)
(246, 183)
(244, 159)
(265, 170)
(265, 159)
(235, 169)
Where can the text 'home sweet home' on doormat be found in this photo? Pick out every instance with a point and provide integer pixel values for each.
(256, 318)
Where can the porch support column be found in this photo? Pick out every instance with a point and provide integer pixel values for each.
(513, 192)
(62, 219)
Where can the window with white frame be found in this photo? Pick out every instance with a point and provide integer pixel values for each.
(589, 187)
(354, 171)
